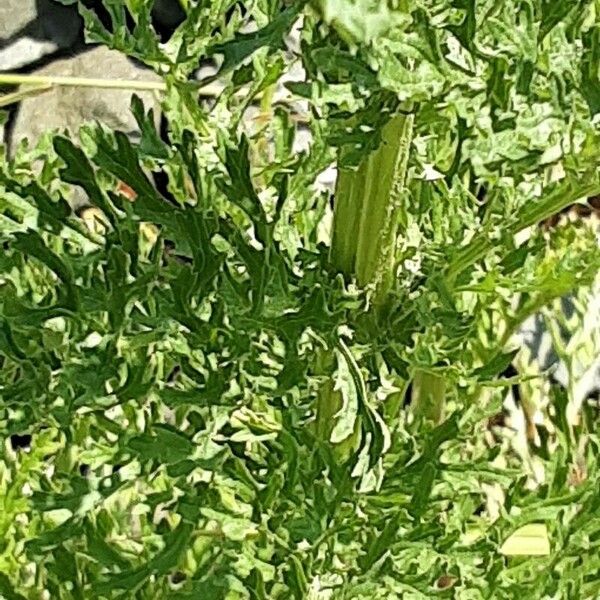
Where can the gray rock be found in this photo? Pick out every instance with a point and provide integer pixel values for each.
(14, 15)
(24, 51)
(70, 107)
(33, 29)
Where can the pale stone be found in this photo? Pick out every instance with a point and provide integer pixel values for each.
(70, 107)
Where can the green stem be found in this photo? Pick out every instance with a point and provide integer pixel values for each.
(21, 94)
(368, 204)
(266, 102)
(57, 80)
(428, 396)
(560, 196)
(40, 84)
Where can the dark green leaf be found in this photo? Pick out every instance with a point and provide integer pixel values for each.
(7, 590)
(245, 44)
(496, 365)
(423, 490)
(150, 144)
(32, 244)
(79, 171)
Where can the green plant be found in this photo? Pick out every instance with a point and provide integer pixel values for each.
(235, 391)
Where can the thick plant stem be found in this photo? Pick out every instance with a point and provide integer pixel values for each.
(367, 214)
(329, 402)
(368, 205)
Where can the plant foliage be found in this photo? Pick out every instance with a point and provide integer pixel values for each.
(218, 408)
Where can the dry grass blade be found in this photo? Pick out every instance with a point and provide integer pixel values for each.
(23, 93)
